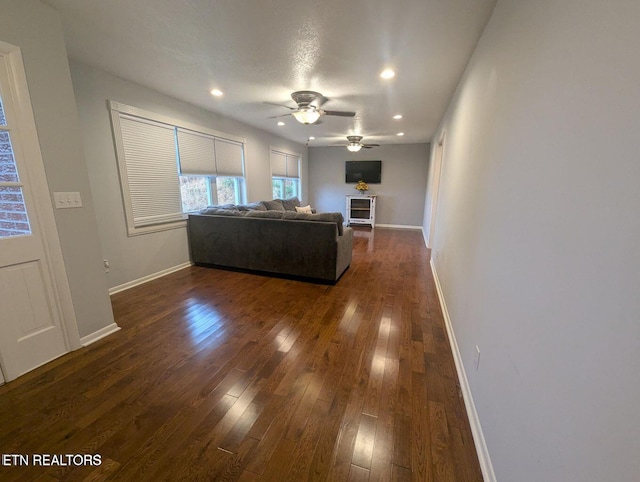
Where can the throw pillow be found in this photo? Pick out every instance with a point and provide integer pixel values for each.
(304, 209)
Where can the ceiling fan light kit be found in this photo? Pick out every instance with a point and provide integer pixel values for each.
(309, 107)
(306, 115)
(355, 144)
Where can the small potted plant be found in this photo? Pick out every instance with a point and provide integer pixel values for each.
(362, 187)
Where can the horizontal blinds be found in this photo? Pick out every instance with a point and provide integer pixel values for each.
(293, 166)
(285, 165)
(196, 153)
(278, 164)
(229, 158)
(152, 177)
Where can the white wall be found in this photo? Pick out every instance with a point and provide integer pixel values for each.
(400, 195)
(36, 29)
(135, 257)
(538, 235)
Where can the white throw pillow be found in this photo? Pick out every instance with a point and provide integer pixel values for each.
(304, 209)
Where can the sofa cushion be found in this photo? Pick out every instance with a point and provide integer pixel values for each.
(256, 206)
(290, 204)
(221, 212)
(264, 214)
(275, 205)
(322, 217)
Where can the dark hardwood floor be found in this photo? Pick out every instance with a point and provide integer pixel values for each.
(219, 375)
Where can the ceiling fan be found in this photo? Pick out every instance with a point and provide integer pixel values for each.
(355, 144)
(309, 108)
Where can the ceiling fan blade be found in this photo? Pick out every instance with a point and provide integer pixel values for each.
(368, 146)
(339, 113)
(279, 105)
(319, 101)
(276, 116)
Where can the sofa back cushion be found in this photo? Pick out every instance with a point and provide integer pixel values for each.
(256, 206)
(275, 205)
(290, 204)
(321, 217)
(221, 211)
(265, 214)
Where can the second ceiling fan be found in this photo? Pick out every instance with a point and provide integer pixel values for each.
(309, 109)
(355, 144)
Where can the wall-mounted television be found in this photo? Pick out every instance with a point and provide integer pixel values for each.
(367, 171)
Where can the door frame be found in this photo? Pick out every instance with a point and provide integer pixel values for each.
(40, 195)
(435, 188)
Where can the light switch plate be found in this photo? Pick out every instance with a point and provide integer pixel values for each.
(66, 200)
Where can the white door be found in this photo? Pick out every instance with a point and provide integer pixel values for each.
(31, 328)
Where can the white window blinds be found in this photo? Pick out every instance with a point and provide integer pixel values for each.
(196, 153)
(205, 155)
(278, 164)
(151, 174)
(293, 166)
(229, 158)
(284, 164)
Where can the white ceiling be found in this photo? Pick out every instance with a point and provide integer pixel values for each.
(262, 50)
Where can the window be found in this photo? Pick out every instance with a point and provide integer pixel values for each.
(13, 212)
(198, 192)
(228, 190)
(167, 169)
(285, 188)
(285, 172)
(211, 170)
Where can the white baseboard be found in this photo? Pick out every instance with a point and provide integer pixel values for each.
(145, 279)
(478, 437)
(97, 335)
(424, 236)
(397, 226)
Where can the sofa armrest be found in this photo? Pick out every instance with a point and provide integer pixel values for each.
(345, 247)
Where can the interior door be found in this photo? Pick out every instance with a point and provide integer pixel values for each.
(31, 330)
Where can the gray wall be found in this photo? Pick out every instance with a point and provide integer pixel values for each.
(401, 194)
(135, 257)
(537, 237)
(36, 29)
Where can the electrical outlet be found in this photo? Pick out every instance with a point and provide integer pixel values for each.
(476, 358)
(105, 263)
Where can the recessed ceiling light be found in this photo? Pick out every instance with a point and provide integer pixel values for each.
(400, 134)
(397, 116)
(280, 123)
(387, 74)
(216, 92)
(312, 138)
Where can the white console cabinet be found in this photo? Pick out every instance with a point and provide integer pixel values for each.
(361, 209)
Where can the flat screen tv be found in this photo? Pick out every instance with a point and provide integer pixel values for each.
(367, 171)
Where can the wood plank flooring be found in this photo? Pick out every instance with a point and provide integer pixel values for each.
(219, 375)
